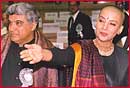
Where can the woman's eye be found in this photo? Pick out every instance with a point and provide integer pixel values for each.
(100, 20)
(113, 24)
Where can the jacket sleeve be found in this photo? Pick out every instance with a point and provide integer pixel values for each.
(63, 57)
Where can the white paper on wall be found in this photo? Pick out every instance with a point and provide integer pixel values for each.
(51, 27)
(62, 37)
(59, 45)
(51, 15)
(63, 21)
(64, 14)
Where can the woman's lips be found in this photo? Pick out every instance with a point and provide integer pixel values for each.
(103, 33)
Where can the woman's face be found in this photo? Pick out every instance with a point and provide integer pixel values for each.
(108, 24)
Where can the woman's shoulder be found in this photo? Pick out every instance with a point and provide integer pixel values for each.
(121, 50)
(122, 54)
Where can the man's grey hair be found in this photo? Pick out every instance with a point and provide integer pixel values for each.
(24, 9)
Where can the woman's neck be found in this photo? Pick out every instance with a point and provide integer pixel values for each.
(104, 48)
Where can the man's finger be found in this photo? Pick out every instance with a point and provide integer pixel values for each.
(24, 55)
(32, 62)
(28, 46)
(23, 52)
(27, 59)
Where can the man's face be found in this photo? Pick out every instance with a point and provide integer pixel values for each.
(108, 24)
(73, 7)
(20, 30)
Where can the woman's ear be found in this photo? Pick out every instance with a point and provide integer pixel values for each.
(34, 24)
(120, 30)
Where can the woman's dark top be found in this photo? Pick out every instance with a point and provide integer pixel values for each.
(115, 65)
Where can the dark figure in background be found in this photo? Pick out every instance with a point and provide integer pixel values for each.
(4, 21)
(4, 24)
(79, 25)
(122, 39)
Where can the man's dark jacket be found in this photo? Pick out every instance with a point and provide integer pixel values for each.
(87, 30)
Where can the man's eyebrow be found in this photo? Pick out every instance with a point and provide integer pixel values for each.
(19, 20)
(16, 20)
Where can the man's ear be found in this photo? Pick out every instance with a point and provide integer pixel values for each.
(34, 24)
(120, 30)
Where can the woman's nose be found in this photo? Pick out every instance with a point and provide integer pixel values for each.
(105, 26)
